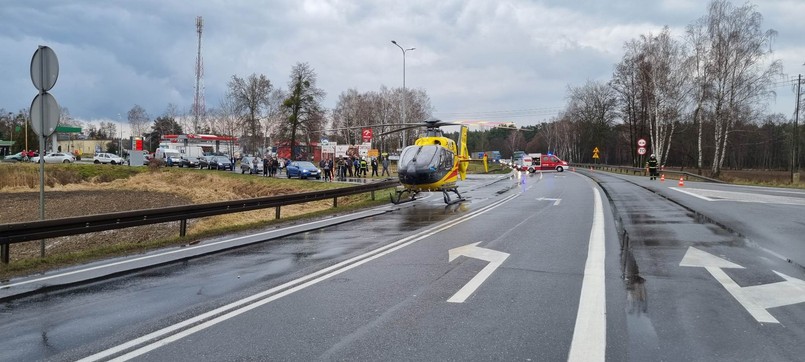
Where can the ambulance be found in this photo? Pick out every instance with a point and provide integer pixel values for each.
(546, 162)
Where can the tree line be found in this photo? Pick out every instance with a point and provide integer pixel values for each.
(696, 98)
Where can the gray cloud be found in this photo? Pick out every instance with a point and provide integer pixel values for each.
(471, 56)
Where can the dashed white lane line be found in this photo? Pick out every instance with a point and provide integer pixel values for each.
(720, 195)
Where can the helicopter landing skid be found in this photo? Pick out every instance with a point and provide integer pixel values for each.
(448, 200)
(397, 197)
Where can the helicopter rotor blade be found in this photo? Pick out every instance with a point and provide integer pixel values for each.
(372, 126)
(418, 125)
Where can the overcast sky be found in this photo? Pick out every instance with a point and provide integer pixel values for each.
(501, 60)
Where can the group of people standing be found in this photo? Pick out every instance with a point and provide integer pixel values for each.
(352, 167)
(27, 155)
(271, 165)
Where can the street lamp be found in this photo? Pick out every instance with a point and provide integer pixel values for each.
(404, 92)
(795, 138)
(120, 140)
(10, 133)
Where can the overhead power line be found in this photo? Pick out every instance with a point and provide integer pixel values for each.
(501, 114)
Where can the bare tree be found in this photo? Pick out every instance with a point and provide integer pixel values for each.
(632, 95)
(303, 104)
(225, 121)
(251, 96)
(667, 85)
(515, 141)
(139, 120)
(353, 111)
(594, 107)
(738, 64)
(697, 39)
(275, 114)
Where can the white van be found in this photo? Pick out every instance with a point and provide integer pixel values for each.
(171, 156)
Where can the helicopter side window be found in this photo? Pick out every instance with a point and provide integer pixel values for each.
(447, 160)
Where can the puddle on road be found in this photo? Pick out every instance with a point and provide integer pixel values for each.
(641, 329)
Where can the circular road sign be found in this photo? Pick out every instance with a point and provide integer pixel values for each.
(641, 142)
(641, 151)
(44, 68)
(44, 108)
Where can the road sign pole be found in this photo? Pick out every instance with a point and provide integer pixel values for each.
(44, 73)
(42, 146)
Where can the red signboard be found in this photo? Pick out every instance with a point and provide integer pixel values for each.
(367, 134)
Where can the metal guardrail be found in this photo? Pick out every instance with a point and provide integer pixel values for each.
(642, 171)
(39, 230)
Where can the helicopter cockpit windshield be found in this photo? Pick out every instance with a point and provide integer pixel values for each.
(424, 164)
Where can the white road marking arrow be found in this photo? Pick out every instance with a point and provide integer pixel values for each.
(756, 299)
(494, 257)
(555, 201)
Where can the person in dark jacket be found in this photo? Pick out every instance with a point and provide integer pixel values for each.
(374, 167)
(275, 165)
(652, 167)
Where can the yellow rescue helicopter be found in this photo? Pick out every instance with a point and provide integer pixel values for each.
(433, 163)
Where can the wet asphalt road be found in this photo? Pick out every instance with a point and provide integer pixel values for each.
(318, 295)
(680, 312)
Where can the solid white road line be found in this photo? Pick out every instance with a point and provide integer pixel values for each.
(590, 333)
(177, 331)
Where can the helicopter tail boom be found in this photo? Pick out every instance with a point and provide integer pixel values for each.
(463, 154)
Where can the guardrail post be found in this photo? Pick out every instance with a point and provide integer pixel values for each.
(277, 212)
(373, 196)
(4, 253)
(335, 202)
(182, 227)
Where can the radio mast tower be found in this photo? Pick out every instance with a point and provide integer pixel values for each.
(198, 100)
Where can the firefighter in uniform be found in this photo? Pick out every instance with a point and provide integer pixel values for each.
(652, 167)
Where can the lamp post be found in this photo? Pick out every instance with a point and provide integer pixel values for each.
(405, 133)
(120, 140)
(10, 134)
(795, 139)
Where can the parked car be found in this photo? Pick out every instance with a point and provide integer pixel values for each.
(247, 165)
(15, 157)
(173, 160)
(204, 162)
(220, 163)
(107, 158)
(303, 170)
(55, 157)
(189, 162)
